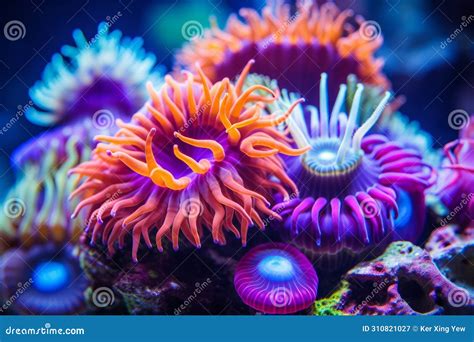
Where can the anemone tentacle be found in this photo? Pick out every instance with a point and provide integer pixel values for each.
(456, 181)
(37, 209)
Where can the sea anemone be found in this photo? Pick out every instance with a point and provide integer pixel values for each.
(398, 127)
(36, 208)
(100, 78)
(291, 48)
(350, 185)
(45, 279)
(276, 278)
(197, 155)
(456, 182)
(395, 125)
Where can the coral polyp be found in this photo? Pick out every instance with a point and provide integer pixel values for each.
(276, 279)
(36, 208)
(198, 155)
(456, 182)
(349, 183)
(106, 73)
(44, 280)
(294, 48)
(398, 127)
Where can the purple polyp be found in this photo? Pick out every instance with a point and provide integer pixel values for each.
(104, 94)
(276, 279)
(456, 181)
(348, 183)
(296, 67)
(49, 293)
(55, 140)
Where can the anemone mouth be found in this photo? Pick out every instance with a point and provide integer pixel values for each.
(171, 153)
(321, 160)
(101, 94)
(276, 267)
(51, 276)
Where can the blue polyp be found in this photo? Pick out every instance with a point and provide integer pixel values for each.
(322, 157)
(51, 276)
(405, 211)
(276, 268)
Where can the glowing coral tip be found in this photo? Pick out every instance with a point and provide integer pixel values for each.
(341, 95)
(323, 104)
(362, 131)
(354, 113)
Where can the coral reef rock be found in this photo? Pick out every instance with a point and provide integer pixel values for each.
(452, 250)
(403, 281)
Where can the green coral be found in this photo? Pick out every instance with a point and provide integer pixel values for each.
(329, 306)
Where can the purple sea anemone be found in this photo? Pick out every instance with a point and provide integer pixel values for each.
(45, 279)
(276, 278)
(349, 184)
(192, 159)
(36, 208)
(36, 234)
(456, 182)
(100, 78)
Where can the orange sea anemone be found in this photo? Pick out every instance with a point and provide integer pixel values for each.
(198, 155)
